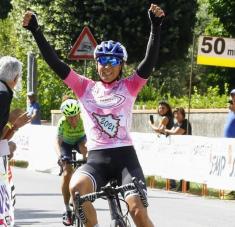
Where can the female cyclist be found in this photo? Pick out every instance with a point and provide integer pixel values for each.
(106, 106)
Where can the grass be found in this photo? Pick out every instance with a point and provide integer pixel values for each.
(19, 163)
(195, 188)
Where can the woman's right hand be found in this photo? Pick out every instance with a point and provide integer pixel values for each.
(153, 126)
(22, 120)
(30, 21)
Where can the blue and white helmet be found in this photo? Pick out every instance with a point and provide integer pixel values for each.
(111, 48)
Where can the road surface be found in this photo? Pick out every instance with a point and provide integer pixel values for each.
(39, 204)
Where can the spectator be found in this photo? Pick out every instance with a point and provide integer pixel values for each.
(10, 74)
(229, 129)
(34, 109)
(181, 127)
(164, 110)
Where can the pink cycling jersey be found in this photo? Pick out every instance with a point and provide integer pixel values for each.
(106, 109)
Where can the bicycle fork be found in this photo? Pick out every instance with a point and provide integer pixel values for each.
(115, 212)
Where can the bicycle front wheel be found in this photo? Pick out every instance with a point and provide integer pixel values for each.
(77, 222)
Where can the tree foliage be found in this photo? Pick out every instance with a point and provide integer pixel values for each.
(10, 45)
(225, 11)
(125, 21)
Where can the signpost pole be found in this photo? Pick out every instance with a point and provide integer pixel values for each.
(85, 67)
(190, 82)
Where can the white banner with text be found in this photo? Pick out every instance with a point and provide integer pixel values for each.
(198, 159)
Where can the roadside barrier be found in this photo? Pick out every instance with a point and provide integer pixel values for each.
(204, 160)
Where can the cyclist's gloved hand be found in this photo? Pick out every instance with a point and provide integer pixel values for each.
(30, 21)
(156, 15)
(60, 162)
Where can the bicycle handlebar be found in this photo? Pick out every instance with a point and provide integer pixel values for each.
(76, 162)
(109, 191)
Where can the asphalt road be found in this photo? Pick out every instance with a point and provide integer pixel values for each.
(39, 203)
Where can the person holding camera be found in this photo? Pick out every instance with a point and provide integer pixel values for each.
(229, 129)
(167, 121)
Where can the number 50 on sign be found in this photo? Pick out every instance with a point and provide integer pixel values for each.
(217, 51)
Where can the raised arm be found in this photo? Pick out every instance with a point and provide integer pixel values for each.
(48, 53)
(156, 16)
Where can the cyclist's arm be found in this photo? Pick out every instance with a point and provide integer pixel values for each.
(152, 51)
(48, 53)
(76, 82)
(58, 143)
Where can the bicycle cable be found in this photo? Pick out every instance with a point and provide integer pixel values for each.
(127, 205)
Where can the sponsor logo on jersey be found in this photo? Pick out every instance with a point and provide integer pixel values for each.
(109, 101)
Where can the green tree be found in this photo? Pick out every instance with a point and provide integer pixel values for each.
(126, 21)
(225, 11)
(10, 45)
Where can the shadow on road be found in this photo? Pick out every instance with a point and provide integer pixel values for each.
(38, 194)
(32, 214)
(20, 224)
(164, 197)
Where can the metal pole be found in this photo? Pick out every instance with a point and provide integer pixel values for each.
(190, 82)
(31, 73)
(85, 67)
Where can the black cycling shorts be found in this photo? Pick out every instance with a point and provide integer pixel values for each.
(66, 149)
(119, 163)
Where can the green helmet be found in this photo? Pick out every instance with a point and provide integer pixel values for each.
(70, 107)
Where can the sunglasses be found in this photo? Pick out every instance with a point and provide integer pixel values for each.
(109, 60)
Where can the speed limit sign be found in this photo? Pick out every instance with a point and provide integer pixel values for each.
(217, 51)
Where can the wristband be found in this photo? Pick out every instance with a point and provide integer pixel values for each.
(10, 125)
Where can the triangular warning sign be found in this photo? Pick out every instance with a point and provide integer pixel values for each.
(84, 46)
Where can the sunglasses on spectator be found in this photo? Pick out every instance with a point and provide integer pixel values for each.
(109, 60)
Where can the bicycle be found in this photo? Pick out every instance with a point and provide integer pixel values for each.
(110, 192)
(75, 163)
